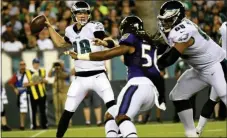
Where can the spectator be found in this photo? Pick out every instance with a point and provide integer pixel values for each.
(115, 33)
(102, 8)
(60, 87)
(126, 11)
(32, 43)
(16, 24)
(6, 36)
(16, 82)
(43, 42)
(61, 27)
(107, 25)
(96, 14)
(35, 81)
(113, 16)
(12, 45)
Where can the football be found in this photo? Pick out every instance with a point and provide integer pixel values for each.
(37, 24)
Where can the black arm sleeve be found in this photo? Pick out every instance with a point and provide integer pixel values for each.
(67, 40)
(100, 34)
(168, 58)
(162, 48)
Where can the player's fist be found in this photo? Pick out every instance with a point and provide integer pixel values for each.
(99, 42)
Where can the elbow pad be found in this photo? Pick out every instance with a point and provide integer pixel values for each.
(168, 58)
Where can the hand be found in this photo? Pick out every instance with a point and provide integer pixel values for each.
(47, 22)
(72, 54)
(99, 42)
(16, 91)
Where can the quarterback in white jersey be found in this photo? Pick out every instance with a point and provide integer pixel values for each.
(90, 75)
(206, 57)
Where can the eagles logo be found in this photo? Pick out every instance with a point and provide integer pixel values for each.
(184, 37)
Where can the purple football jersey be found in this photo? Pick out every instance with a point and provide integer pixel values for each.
(142, 63)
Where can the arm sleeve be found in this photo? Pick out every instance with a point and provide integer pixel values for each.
(168, 58)
(67, 39)
(100, 34)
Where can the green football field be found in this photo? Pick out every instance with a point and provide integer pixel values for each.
(213, 129)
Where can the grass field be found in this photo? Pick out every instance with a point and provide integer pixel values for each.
(213, 129)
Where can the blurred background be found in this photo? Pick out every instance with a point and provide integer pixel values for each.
(17, 43)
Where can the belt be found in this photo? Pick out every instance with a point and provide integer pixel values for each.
(89, 73)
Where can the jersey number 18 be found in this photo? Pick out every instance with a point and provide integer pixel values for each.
(84, 46)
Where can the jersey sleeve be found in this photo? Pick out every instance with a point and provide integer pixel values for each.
(13, 80)
(97, 26)
(181, 33)
(66, 37)
(128, 39)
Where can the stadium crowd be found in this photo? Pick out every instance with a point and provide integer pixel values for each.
(17, 15)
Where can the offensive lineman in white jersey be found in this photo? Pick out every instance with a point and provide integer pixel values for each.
(90, 75)
(190, 43)
(209, 105)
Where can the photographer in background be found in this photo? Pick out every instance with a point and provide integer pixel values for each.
(60, 87)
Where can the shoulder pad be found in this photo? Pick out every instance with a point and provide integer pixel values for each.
(128, 39)
(96, 26)
(182, 32)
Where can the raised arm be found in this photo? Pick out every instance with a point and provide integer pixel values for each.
(58, 40)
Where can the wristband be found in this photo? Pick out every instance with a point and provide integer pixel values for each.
(83, 56)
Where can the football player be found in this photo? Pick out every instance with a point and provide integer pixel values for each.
(209, 105)
(196, 48)
(139, 94)
(90, 75)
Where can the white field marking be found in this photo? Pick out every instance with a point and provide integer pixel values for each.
(39, 133)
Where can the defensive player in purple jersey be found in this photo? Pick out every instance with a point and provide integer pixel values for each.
(140, 93)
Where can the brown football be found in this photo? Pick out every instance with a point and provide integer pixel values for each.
(37, 24)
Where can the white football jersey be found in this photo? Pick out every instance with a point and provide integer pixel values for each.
(203, 53)
(82, 43)
(223, 30)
